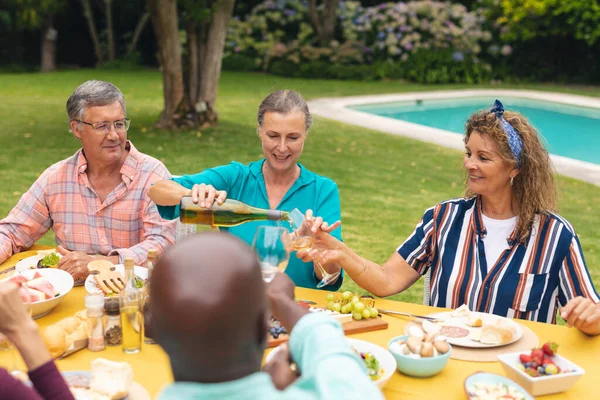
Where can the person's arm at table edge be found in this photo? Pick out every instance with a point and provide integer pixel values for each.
(333, 370)
(42, 371)
(582, 311)
(31, 215)
(328, 207)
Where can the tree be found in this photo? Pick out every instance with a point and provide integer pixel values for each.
(137, 32)
(110, 37)
(164, 21)
(39, 14)
(324, 24)
(190, 101)
(529, 19)
(89, 17)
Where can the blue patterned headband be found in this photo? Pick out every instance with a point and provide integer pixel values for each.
(514, 140)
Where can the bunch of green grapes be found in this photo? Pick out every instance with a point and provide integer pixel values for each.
(350, 304)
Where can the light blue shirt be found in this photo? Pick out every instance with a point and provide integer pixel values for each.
(330, 370)
(247, 184)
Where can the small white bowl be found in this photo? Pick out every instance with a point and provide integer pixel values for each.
(541, 385)
(62, 282)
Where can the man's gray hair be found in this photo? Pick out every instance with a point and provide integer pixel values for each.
(283, 102)
(93, 94)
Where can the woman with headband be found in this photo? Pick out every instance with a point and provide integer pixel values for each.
(500, 249)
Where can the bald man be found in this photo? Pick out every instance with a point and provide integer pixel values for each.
(209, 312)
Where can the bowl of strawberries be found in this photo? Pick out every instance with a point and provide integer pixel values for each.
(541, 371)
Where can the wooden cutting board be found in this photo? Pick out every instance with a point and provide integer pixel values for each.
(364, 325)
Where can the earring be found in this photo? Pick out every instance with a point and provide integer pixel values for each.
(512, 178)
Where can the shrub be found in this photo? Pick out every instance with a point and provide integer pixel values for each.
(239, 62)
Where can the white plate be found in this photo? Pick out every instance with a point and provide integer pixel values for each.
(385, 358)
(62, 282)
(30, 263)
(485, 378)
(137, 391)
(92, 288)
(449, 320)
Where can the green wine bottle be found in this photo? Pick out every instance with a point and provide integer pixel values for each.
(230, 213)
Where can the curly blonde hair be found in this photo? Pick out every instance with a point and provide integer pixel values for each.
(534, 186)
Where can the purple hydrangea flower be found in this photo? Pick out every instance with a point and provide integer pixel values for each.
(458, 56)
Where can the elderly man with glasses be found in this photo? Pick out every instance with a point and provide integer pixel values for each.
(95, 201)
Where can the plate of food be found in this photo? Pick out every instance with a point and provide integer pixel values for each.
(466, 328)
(43, 259)
(107, 380)
(486, 386)
(141, 274)
(380, 363)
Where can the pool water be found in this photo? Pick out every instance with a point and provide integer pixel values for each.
(568, 131)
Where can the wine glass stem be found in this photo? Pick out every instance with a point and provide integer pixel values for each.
(324, 273)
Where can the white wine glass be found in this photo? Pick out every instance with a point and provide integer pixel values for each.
(272, 246)
(303, 239)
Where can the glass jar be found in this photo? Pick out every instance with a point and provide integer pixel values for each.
(95, 321)
(113, 334)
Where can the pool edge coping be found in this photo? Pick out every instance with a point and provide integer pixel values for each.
(336, 108)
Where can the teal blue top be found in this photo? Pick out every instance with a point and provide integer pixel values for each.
(330, 370)
(247, 184)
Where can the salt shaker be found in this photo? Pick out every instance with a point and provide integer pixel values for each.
(95, 321)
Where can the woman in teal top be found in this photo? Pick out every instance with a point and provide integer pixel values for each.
(276, 182)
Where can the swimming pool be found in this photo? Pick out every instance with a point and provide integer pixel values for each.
(569, 131)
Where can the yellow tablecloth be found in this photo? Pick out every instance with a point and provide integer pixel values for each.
(152, 370)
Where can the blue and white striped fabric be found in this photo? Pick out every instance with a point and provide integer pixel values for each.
(529, 280)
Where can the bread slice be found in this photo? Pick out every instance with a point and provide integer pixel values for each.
(502, 331)
(111, 378)
(462, 311)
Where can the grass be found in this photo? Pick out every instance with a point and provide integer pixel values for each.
(386, 182)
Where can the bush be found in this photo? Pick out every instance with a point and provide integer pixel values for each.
(378, 42)
(445, 67)
(239, 62)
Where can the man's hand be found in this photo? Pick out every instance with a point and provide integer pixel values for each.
(583, 314)
(280, 293)
(283, 372)
(74, 262)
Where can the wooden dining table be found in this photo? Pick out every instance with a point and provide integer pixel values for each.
(152, 368)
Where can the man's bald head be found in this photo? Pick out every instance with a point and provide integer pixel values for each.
(209, 308)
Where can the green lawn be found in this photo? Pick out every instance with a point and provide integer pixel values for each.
(386, 182)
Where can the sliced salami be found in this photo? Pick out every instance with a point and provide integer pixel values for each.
(454, 332)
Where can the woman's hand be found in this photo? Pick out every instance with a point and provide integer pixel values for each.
(325, 248)
(13, 314)
(583, 314)
(206, 195)
(317, 224)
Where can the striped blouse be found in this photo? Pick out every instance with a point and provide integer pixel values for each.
(528, 281)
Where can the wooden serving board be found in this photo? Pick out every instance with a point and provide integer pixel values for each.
(364, 325)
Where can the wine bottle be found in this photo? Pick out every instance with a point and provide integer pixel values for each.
(132, 319)
(152, 258)
(230, 213)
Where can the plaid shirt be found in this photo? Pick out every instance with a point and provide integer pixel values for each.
(127, 223)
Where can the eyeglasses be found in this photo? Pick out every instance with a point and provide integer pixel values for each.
(103, 128)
